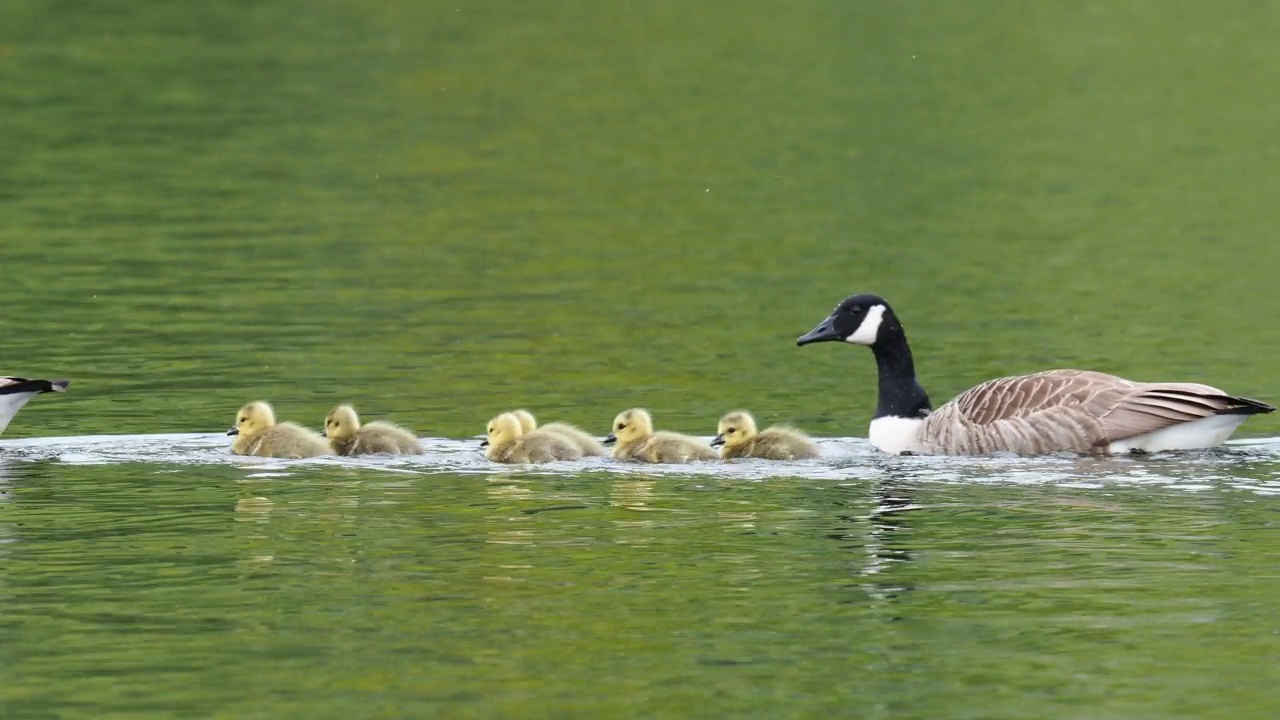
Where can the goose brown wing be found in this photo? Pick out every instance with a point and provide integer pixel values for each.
(1159, 405)
(1015, 397)
(1088, 406)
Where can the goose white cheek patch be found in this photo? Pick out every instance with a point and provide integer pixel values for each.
(870, 327)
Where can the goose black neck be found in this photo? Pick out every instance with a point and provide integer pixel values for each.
(900, 392)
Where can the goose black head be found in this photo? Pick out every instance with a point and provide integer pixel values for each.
(858, 319)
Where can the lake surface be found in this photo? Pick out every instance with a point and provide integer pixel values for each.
(439, 212)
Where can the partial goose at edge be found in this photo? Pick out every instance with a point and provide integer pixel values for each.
(16, 391)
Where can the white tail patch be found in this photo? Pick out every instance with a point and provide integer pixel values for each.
(10, 404)
(895, 435)
(869, 328)
(1206, 432)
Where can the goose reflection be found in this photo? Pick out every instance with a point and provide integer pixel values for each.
(887, 531)
(880, 535)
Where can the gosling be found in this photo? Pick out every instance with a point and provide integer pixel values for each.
(636, 441)
(586, 444)
(258, 433)
(507, 443)
(739, 439)
(348, 437)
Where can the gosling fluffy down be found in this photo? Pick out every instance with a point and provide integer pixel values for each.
(739, 439)
(636, 441)
(258, 433)
(348, 437)
(508, 443)
(586, 444)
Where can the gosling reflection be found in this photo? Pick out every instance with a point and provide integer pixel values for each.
(637, 495)
(254, 509)
(633, 494)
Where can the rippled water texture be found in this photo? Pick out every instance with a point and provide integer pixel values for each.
(438, 212)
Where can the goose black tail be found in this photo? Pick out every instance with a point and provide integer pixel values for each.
(1246, 406)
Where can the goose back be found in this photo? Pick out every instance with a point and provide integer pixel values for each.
(1068, 410)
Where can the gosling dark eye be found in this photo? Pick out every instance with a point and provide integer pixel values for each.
(732, 430)
(620, 426)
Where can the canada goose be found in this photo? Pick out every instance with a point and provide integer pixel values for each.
(507, 443)
(1050, 411)
(636, 440)
(584, 442)
(348, 437)
(738, 437)
(258, 433)
(16, 391)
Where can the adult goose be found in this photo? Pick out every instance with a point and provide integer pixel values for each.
(16, 391)
(1045, 412)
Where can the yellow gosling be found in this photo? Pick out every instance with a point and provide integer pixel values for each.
(348, 437)
(738, 438)
(586, 444)
(508, 443)
(258, 433)
(636, 441)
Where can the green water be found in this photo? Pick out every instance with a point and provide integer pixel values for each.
(439, 211)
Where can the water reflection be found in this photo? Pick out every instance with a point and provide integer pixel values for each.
(7, 473)
(881, 533)
(888, 535)
(634, 493)
(8, 534)
(253, 509)
(508, 489)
